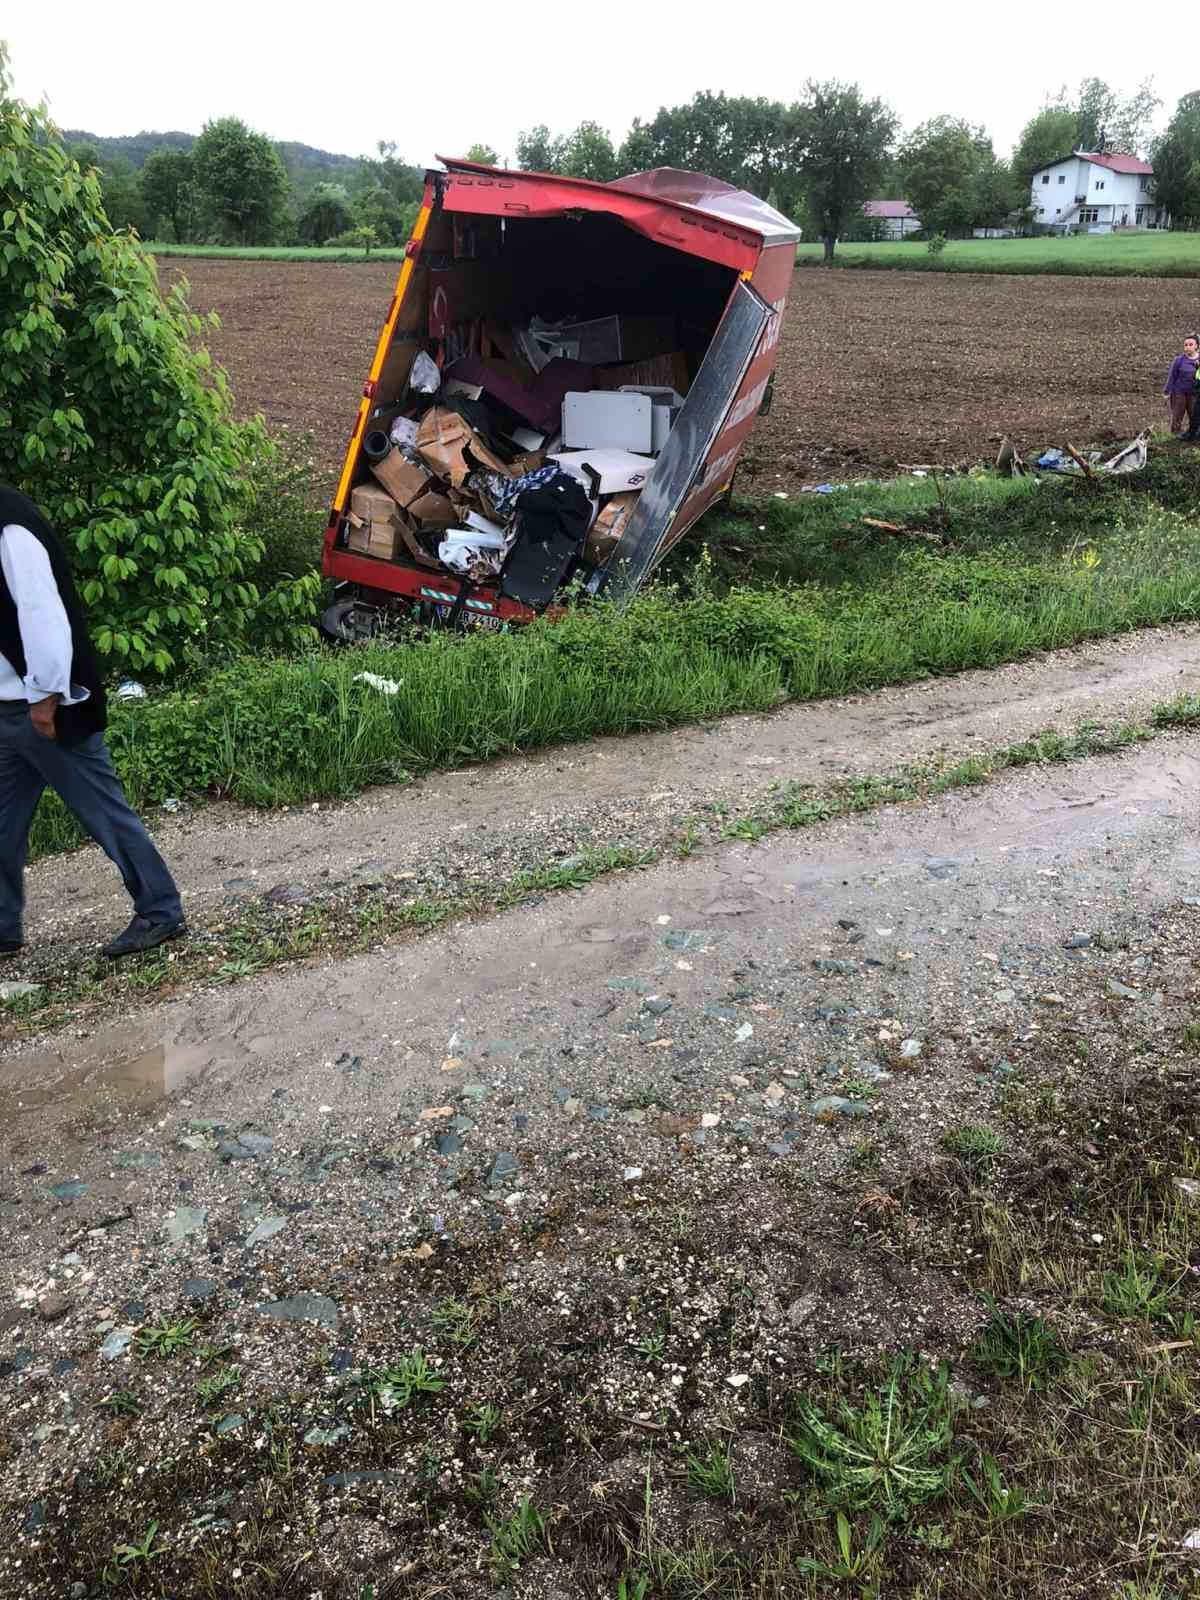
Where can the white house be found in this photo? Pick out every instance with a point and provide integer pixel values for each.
(896, 218)
(1097, 193)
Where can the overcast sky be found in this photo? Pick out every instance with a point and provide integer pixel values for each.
(437, 76)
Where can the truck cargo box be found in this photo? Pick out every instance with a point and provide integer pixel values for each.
(524, 298)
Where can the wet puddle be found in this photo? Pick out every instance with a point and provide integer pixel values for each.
(125, 1078)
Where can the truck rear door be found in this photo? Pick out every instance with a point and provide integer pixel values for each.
(698, 457)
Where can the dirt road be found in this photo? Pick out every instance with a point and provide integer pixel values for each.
(541, 1097)
(534, 809)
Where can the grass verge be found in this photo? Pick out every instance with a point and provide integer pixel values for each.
(797, 601)
(1139, 255)
(254, 252)
(256, 938)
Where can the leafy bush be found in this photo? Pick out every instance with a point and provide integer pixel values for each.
(279, 516)
(363, 238)
(114, 422)
(936, 243)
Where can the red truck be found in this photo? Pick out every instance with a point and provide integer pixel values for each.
(659, 258)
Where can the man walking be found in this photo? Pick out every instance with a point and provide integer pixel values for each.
(52, 720)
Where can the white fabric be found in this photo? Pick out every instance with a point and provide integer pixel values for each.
(42, 619)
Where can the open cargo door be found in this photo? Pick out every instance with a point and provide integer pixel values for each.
(700, 422)
(541, 313)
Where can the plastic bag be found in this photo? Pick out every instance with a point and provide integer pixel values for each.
(404, 433)
(424, 377)
(472, 552)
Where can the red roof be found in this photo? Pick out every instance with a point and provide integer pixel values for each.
(1130, 164)
(888, 208)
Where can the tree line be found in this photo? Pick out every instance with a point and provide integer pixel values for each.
(817, 159)
(233, 186)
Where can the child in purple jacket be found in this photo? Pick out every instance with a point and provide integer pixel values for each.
(1181, 386)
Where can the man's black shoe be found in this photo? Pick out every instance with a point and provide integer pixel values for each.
(141, 935)
(10, 947)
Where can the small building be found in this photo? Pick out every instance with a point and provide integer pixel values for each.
(1094, 193)
(893, 219)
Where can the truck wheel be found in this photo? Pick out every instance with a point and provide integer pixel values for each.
(350, 622)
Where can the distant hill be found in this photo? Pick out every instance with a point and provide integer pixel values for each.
(305, 163)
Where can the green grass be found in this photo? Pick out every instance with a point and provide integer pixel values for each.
(710, 1472)
(1021, 1346)
(166, 1339)
(516, 1538)
(887, 1453)
(792, 601)
(975, 1146)
(1115, 255)
(256, 252)
(393, 1388)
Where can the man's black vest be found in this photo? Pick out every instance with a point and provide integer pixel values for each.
(74, 723)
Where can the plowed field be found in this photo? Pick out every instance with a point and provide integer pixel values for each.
(877, 370)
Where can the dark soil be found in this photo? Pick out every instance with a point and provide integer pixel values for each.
(877, 370)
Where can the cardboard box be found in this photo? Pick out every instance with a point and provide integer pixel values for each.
(608, 420)
(451, 448)
(433, 512)
(404, 479)
(374, 523)
(416, 550)
(606, 471)
(611, 521)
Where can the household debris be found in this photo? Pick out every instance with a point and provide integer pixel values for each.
(547, 346)
(509, 466)
(1129, 458)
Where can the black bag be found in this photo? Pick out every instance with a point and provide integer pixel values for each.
(551, 526)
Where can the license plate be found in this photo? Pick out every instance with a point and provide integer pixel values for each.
(471, 619)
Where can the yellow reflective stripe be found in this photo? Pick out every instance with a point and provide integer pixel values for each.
(381, 349)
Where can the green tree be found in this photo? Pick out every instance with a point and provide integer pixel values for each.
(241, 182)
(1176, 161)
(1096, 119)
(742, 140)
(538, 150)
(484, 155)
(377, 210)
(385, 194)
(115, 422)
(837, 154)
(587, 153)
(943, 162)
(327, 213)
(168, 192)
(1048, 136)
(1105, 121)
(120, 186)
(996, 192)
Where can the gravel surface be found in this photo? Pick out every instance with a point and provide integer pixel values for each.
(595, 1117)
